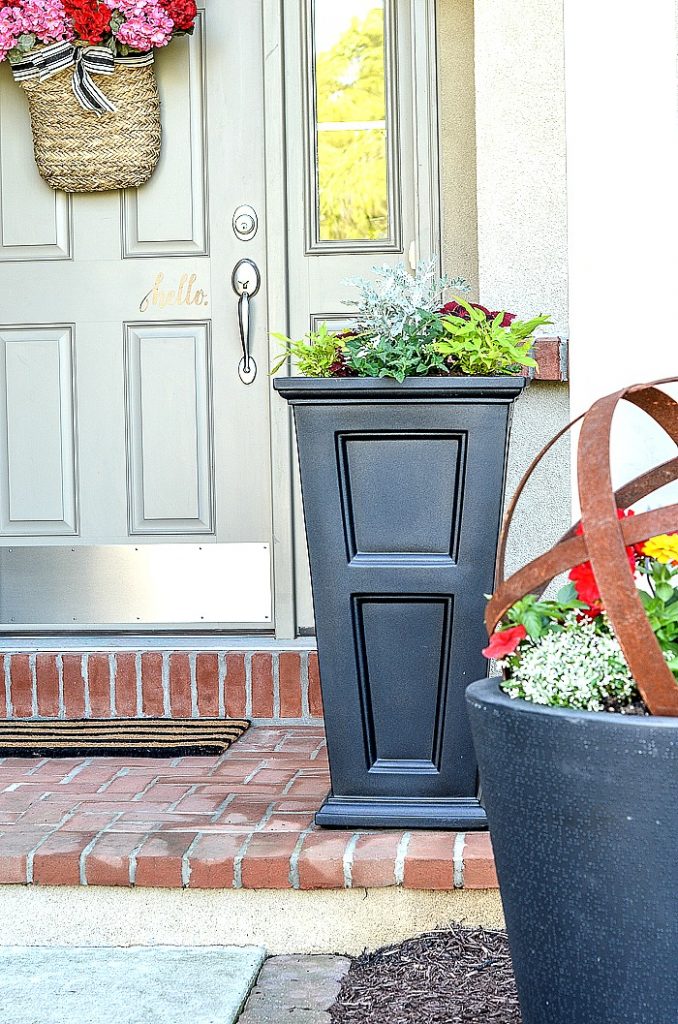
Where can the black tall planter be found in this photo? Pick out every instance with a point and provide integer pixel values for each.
(402, 487)
(584, 820)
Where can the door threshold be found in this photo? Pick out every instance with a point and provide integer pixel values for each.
(85, 642)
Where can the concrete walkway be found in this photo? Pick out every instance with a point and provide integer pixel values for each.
(160, 985)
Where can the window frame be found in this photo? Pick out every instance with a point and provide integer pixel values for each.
(392, 243)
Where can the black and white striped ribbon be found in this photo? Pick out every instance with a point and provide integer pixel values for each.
(85, 61)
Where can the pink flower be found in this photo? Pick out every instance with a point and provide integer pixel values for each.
(146, 24)
(45, 19)
(11, 27)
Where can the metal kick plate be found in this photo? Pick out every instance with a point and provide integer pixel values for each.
(191, 586)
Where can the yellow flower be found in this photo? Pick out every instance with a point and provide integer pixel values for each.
(663, 548)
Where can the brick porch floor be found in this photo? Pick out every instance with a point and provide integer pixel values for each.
(244, 820)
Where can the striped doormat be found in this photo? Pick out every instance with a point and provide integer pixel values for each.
(147, 737)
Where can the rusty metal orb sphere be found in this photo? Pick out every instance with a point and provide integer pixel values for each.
(605, 538)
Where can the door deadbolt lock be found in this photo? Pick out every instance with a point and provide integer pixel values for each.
(245, 222)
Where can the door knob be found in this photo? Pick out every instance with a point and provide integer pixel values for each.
(246, 281)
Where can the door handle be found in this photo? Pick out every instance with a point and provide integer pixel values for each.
(246, 282)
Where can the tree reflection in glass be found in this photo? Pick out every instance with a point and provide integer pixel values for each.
(351, 120)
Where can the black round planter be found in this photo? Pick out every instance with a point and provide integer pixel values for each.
(403, 489)
(583, 812)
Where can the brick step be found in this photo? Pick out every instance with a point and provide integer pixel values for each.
(269, 685)
(240, 821)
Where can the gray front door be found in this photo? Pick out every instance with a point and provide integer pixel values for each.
(134, 463)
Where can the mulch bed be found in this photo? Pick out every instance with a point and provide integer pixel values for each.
(457, 976)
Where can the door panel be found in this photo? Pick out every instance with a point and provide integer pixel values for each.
(169, 215)
(169, 389)
(46, 234)
(126, 426)
(38, 445)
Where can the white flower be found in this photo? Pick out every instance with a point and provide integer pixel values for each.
(580, 667)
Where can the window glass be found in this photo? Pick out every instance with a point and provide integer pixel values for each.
(351, 128)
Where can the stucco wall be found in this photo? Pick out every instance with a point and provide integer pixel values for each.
(504, 206)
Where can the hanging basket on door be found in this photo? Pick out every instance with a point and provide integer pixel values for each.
(91, 86)
(78, 150)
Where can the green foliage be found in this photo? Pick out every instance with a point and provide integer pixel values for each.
(570, 656)
(540, 617)
(25, 43)
(313, 354)
(661, 606)
(581, 666)
(481, 346)
(411, 353)
(397, 322)
(400, 330)
(395, 299)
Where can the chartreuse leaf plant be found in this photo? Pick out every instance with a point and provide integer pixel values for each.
(402, 328)
(564, 653)
(479, 343)
(314, 355)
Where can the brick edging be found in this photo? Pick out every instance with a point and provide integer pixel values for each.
(426, 861)
(263, 685)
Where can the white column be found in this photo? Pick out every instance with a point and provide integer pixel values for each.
(622, 142)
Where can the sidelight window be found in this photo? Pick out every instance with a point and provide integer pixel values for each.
(353, 156)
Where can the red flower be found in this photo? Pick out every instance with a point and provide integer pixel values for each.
(584, 578)
(504, 642)
(456, 309)
(91, 19)
(182, 12)
(587, 589)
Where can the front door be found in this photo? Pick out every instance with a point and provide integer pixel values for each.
(134, 460)
(137, 484)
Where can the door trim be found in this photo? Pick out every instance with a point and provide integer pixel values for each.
(282, 450)
(427, 129)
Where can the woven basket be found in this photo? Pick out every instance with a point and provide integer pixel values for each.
(78, 151)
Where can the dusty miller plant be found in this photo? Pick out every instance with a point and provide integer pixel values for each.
(398, 300)
(397, 322)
